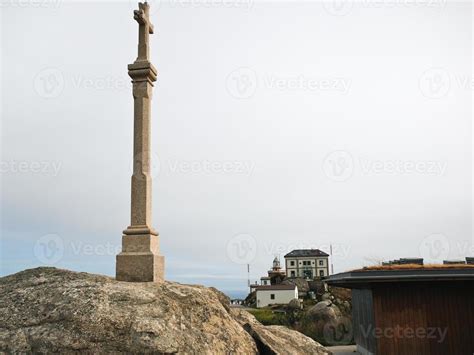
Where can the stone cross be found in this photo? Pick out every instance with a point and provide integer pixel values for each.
(140, 260)
(142, 16)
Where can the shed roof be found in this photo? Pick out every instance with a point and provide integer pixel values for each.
(401, 273)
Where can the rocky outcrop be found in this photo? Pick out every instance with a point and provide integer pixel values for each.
(340, 297)
(277, 339)
(251, 299)
(48, 310)
(302, 284)
(294, 304)
(325, 322)
(324, 310)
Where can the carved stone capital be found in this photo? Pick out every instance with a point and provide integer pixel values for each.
(142, 71)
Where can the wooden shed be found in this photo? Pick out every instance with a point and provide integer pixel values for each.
(408, 310)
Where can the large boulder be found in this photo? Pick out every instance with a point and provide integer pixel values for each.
(275, 339)
(294, 304)
(47, 310)
(324, 310)
(326, 323)
(326, 296)
(320, 305)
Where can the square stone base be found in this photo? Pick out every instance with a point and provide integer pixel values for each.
(139, 260)
(140, 267)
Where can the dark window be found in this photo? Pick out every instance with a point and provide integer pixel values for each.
(321, 263)
(292, 263)
(272, 296)
(293, 273)
(321, 272)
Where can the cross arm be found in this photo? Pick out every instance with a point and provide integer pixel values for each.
(141, 16)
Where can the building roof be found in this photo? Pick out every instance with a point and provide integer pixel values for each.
(264, 278)
(401, 273)
(276, 287)
(306, 252)
(460, 265)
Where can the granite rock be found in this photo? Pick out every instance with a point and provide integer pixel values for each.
(47, 310)
(275, 339)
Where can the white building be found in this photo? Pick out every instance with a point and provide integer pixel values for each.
(307, 263)
(276, 294)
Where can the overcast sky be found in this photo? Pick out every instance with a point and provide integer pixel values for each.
(276, 126)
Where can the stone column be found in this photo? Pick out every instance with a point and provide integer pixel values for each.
(139, 260)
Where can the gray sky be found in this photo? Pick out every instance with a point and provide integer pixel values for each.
(275, 126)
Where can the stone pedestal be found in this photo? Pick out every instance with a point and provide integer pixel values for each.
(139, 260)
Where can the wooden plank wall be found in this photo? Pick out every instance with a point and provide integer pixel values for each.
(429, 310)
(363, 319)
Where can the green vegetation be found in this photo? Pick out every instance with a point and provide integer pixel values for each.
(292, 319)
(309, 323)
(308, 302)
(266, 316)
(297, 320)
